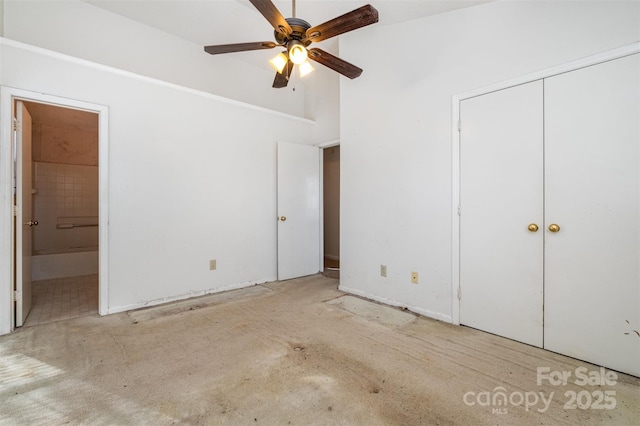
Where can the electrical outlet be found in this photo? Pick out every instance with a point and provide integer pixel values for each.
(414, 278)
(383, 271)
(212, 265)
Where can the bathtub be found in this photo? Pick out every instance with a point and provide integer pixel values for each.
(49, 264)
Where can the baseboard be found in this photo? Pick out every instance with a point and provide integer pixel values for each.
(424, 312)
(190, 295)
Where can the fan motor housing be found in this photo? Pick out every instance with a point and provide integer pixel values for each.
(299, 29)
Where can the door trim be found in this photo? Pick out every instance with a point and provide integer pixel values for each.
(455, 147)
(323, 146)
(7, 253)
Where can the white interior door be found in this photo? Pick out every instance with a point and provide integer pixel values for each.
(592, 276)
(298, 210)
(24, 211)
(501, 180)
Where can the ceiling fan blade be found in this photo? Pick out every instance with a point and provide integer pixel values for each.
(282, 80)
(239, 47)
(273, 15)
(335, 63)
(361, 17)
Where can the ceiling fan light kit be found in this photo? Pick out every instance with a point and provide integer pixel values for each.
(295, 35)
(297, 52)
(279, 62)
(305, 68)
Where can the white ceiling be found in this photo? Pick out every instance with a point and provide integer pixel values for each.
(210, 22)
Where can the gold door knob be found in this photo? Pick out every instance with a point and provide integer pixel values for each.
(32, 223)
(532, 227)
(554, 228)
(283, 218)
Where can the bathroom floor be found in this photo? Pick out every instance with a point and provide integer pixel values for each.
(63, 298)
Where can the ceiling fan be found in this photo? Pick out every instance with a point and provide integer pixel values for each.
(295, 35)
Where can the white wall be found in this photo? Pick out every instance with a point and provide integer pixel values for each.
(395, 129)
(191, 177)
(82, 30)
(1, 18)
(322, 102)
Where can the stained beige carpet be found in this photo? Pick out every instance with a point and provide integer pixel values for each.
(298, 352)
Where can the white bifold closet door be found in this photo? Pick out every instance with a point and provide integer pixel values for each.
(550, 213)
(592, 169)
(501, 166)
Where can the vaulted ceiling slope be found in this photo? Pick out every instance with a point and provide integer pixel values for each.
(232, 21)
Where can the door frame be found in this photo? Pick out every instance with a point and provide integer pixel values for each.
(24, 209)
(7, 229)
(455, 148)
(323, 146)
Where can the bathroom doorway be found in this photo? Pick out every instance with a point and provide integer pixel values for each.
(331, 210)
(64, 224)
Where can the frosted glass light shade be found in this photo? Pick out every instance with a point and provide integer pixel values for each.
(305, 68)
(279, 62)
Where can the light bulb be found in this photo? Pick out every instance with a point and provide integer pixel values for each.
(279, 62)
(297, 52)
(305, 68)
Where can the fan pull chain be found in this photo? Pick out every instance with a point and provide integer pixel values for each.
(293, 8)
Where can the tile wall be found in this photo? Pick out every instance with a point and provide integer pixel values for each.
(64, 193)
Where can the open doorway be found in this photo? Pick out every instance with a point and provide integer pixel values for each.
(57, 190)
(331, 213)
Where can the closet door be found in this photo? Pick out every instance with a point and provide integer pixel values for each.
(501, 181)
(592, 192)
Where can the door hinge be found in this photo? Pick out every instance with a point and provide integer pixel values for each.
(459, 293)
(15, 210)
(459, 210)
(459, 125)
(15, 295)
(17, 125)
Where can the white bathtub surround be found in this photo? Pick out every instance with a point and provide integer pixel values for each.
(50, 265)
